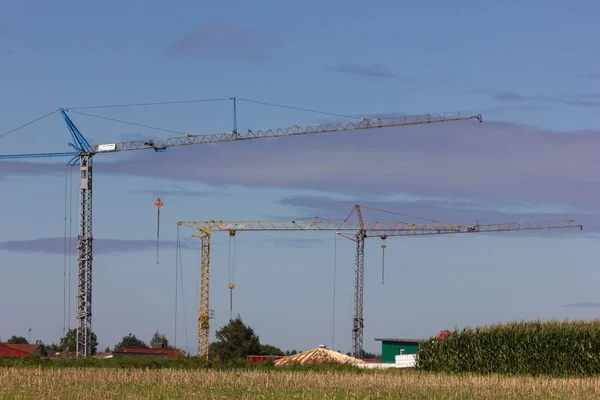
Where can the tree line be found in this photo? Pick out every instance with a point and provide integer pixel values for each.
(68, 343)
(235, 340)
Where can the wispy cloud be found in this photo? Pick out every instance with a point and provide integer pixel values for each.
(584, 100)
(55, 245)
(492, 160)
(502, 95)
(515, 107)
(297, 243)
(578, 99)
(416, 204)
(582, 305)
(14, 168)
(225, 40)
(372, 71)
(258, 239)
(182, 192)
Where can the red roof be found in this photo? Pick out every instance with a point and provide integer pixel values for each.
(259, 359)
(18, 350)
(169, 353)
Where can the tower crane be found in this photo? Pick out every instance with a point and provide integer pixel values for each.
(360, 230)
(85, 152)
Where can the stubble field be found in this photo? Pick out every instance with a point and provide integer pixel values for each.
(113, 383)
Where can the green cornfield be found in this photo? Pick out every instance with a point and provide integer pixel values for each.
(557, 348)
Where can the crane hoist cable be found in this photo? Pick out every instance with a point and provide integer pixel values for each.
(177, 247)
(71, 255)
(231, 270)
(68, 248)
(159, 186)
(66, 255)
(158, 203)
(179, 284)
(334, 277)
(383, 246)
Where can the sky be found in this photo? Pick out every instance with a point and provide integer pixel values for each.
(525, 66)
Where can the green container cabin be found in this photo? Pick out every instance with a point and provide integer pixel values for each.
(390, 348)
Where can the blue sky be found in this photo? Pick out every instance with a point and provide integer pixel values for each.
(526, 66)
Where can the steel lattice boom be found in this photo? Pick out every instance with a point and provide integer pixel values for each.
(316, 224)
(389, 228)
(232, 136)
(84, 153)
(361, 230)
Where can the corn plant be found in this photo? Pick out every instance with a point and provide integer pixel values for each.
(560, 348)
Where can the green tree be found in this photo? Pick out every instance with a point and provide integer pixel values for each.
(131, 341)
(69, 342)
(52, 347)
(159, 341)
(17, 340)
(234, 341)
(49, 349)
(268, 350)
(365, 354)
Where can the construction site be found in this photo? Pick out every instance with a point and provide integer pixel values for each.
(285, 200)
(352, 229)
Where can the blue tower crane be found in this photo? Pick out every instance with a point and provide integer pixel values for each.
(84, 153)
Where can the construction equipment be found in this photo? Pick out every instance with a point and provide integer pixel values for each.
(360, 230)
(442, 335)
(84, 154)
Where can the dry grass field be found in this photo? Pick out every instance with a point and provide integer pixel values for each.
(105, 383)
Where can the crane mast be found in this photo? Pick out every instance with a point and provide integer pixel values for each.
(360, 230)
(85, 257)
(85, 152)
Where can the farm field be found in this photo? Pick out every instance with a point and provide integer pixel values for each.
(113, 383)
